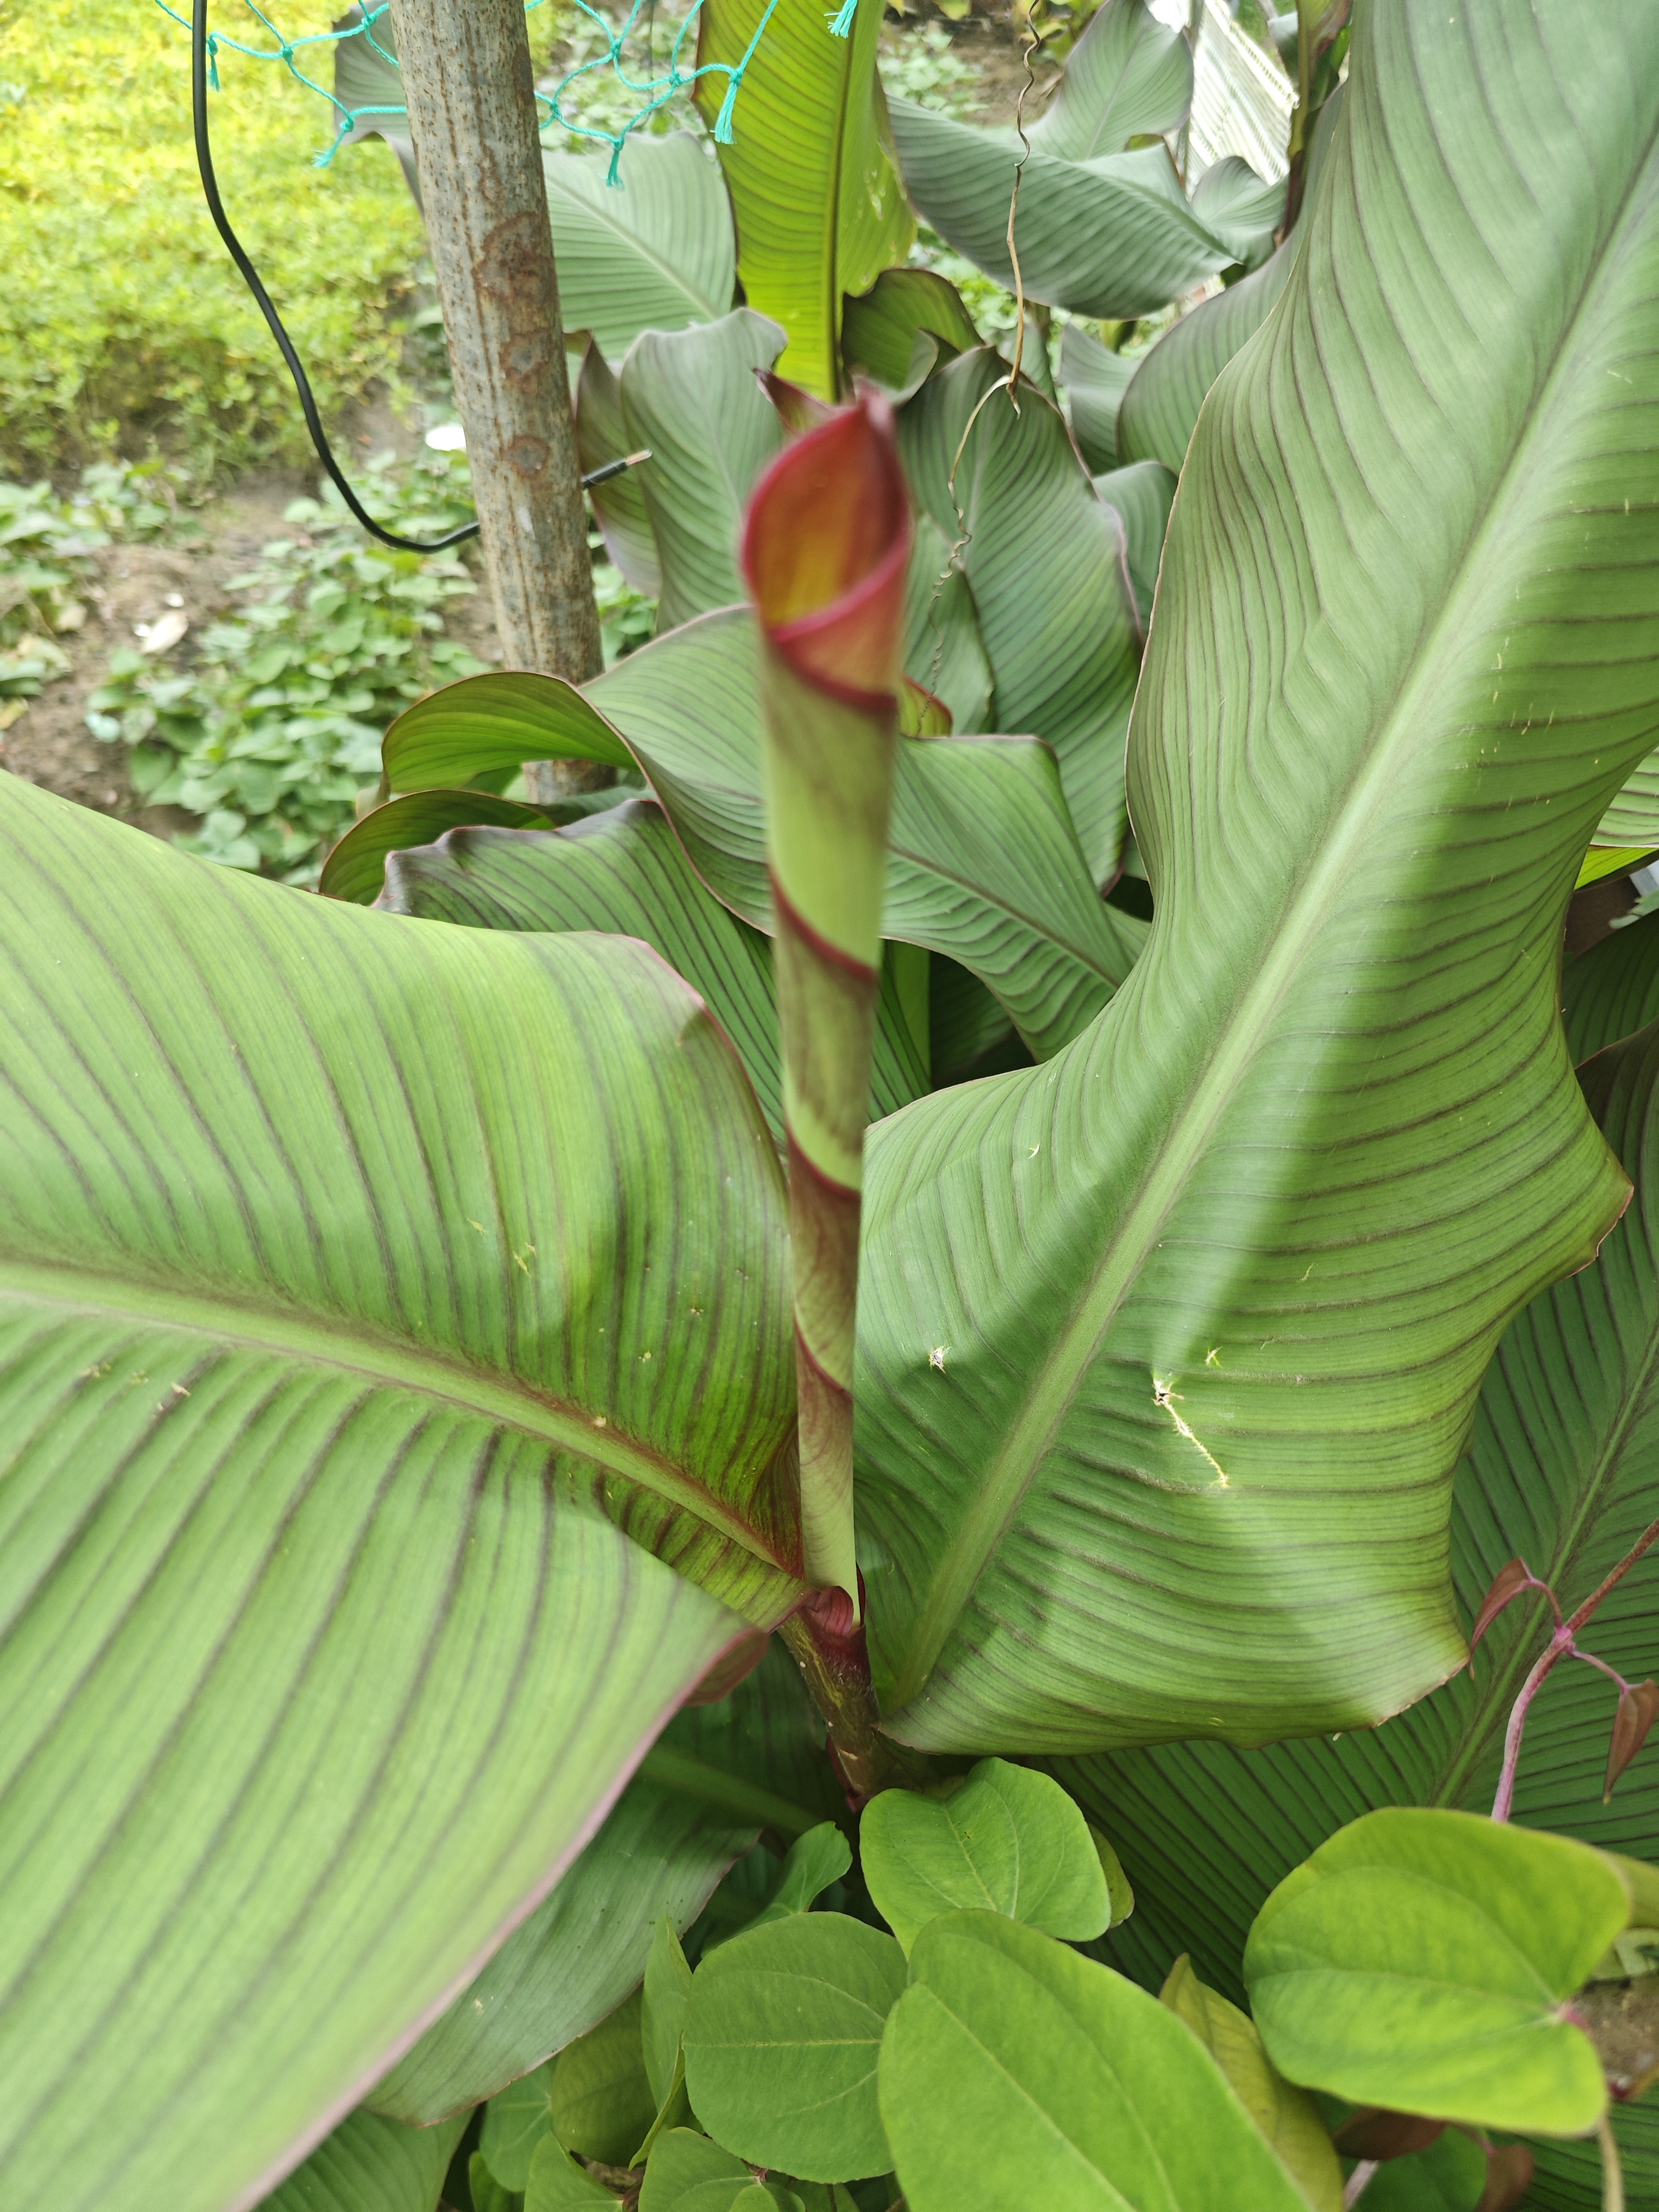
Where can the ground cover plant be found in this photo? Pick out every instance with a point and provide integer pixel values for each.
(754, 1502)
(119, 313)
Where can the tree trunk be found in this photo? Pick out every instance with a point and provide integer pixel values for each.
(471, 96)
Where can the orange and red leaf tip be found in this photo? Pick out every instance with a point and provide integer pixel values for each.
(825, 550)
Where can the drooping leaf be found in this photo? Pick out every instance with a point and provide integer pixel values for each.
(370, 2165)
(1141, 1510)
(1419, 1959)
(599, 2099)
(1095, 380)
(815, 188)
(1111, 237)
(943, 651)
(1064, 657)
(655, 252)
(1239, 208)
(1287, 2117)
(1141, 495)
(514, 2123)
(1637, 1710)
(693, 400)
(486, 725)
(618, 503)
(1609, 860)
(1128, 77)
(717, 1776)
(355, 869)
(879, 329)
(310, 1425)
(367, 79)
(1170, 384)
(558, 2183)
(1507, 1585)
(781, 2039)
(1015, 2073)
(1612, 990)
(627, 872)
(983, 863)
(1008, 1841)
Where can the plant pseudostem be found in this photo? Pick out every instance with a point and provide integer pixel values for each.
(824, 551)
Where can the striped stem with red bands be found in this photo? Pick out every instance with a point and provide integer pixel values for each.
(825, 550)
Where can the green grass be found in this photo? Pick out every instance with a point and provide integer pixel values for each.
(120, 314)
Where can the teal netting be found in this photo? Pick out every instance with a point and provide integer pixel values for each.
(651, 90)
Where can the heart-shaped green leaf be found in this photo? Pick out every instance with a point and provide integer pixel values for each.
(515, 2123)
(781, 2038)
(686, 2172)
(1420, 1959)
(1015, 2073)
(599, 2098)
(326, 1351)
(1008, 1840)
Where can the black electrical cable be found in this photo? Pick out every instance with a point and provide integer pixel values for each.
(250, 274)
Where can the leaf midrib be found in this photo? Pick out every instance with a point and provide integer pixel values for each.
(1000, 1495)
(350, 1347)
(709, 310)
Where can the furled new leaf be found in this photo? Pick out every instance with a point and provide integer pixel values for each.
(329, 1351)
(1296, 1178)
(1419, 1960)
(808, 159)
(653, 251)
(1065, 654)
(1014, 2073)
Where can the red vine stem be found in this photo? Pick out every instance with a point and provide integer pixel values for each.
(1560, 1646)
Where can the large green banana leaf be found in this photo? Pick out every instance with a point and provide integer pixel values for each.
(653, 251)
(713, 1779)
(618, 505)
(1044, 558)
(1141, 495)
(1612, 990)
(362, 1283)
(371, 2165)
(1168, 1348)
(1113, 236)
(1128, 77)
(694, 403)
(1562, 1469)
(815, 188)
(983, 864)
(625, 873)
